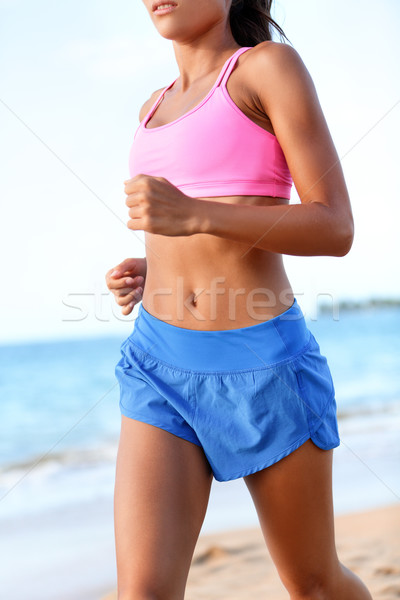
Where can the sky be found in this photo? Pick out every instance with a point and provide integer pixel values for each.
(73, 78)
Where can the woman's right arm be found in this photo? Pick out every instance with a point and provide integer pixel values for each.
(126, 280)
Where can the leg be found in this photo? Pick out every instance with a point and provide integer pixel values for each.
(162, 489)
(293, 499)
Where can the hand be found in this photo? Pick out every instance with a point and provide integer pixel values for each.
(126, 282)
(157, 206)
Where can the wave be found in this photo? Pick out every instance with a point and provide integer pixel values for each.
(355, 410)
(375, 414)
(74, 457)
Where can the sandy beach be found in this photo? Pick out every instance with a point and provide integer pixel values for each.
(235, 565)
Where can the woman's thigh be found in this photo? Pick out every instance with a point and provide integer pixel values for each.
(162, 489)
(293, 498)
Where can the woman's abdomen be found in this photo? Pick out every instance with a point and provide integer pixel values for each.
(208, 283)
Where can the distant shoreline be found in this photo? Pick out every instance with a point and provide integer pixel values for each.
(364, 304)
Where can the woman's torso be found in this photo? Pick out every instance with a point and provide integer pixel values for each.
(202, 281)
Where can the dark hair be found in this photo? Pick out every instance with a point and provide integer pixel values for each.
(251, 22)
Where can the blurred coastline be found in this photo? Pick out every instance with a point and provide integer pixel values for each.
(361, 304)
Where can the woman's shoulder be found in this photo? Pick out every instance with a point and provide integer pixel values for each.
(274, 69)
(272, 58)
(149, 103)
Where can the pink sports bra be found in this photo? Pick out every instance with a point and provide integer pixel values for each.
(212, 150)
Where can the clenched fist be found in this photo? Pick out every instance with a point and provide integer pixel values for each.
(157, 206)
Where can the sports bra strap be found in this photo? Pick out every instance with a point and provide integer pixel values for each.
(157, 102)
(224, 75)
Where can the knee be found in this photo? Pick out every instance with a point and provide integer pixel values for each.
(312, 594)
(311, 587)
(138, 595)
(138, 592)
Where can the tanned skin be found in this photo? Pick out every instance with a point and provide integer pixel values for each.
(216, 263)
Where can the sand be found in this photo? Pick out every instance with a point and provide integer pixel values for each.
(235, 565)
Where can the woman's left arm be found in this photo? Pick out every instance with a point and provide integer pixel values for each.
(323, 223)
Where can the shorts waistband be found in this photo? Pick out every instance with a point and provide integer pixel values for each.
(253, 347)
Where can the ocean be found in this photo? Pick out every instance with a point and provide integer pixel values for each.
(59, 431)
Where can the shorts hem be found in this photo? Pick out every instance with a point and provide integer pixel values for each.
(276, 458)
(144, 419)
(319, 419)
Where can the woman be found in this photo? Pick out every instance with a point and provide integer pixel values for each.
(220, 376)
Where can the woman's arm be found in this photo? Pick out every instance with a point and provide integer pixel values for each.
(126, 281)
(323, 223)
(310, 229)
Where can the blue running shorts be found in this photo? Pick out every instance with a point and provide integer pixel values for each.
(247, 396)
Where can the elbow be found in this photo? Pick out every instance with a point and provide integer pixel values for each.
(344, 238)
